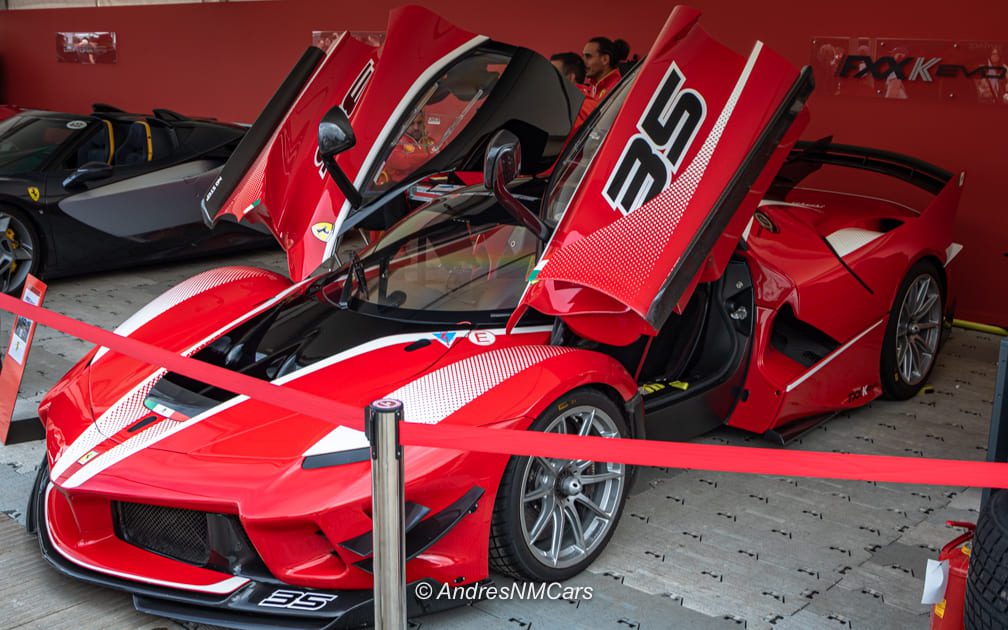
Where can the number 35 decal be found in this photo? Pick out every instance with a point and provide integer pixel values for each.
(298, 600)
(650, 158)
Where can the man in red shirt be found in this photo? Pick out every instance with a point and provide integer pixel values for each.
(602, 57)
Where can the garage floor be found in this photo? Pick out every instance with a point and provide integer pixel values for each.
(693, 550)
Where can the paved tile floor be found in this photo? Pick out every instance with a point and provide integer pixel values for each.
(694, 549)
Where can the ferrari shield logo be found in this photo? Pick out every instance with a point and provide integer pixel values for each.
(322, 231)
(34, 193)
(90, 455)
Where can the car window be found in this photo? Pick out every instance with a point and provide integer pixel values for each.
(26, 142)
(443, 110)
(462, 253)
(581, 152)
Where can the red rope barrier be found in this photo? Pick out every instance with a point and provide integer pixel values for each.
(286, 397)
(737, 459)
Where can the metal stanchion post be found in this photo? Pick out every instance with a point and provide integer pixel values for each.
(382, 427)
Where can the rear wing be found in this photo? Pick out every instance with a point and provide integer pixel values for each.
(808, 157)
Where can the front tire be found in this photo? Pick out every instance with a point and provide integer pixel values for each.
(914, 332)
(553, 517)
(20, 250)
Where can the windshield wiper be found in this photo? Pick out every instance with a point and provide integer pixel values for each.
(355, 270)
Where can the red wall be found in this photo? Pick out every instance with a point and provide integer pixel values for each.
(225, 60)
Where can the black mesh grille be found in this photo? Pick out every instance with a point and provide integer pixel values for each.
(179, 534)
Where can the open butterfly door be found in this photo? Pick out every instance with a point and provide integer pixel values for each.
(698, 136)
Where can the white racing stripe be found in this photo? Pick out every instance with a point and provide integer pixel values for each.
(162, 430)
(438, 394)
(338, 440)
(128, 409)
(181, 292)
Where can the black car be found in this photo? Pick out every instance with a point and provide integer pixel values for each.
(109, 189)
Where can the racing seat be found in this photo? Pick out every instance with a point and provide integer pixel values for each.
(98, 148)
(163, 142)
(137, 146)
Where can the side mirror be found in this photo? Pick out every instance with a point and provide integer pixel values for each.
(89, 172)
(503, 160)
(335, 135)
(501, 166)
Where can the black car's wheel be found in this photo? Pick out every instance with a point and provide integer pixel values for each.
(20, 249)
(914, 332)
(987, 579)
(553, 517)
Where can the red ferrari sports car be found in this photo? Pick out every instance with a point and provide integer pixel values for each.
(675, 271)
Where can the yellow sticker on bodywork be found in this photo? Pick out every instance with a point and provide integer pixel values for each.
(34, 193)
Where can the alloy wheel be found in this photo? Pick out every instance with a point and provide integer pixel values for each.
(17, 250)
(918, 330)
(569, 506)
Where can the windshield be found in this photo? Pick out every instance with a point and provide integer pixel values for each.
(26, 142)
(462, 253)
(582, 151)
(442, 111)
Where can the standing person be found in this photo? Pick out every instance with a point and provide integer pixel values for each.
(571, 67)
(602, 57)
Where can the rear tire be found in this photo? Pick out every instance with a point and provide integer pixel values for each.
(553, 517)
(913, 335)
(987, 580)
